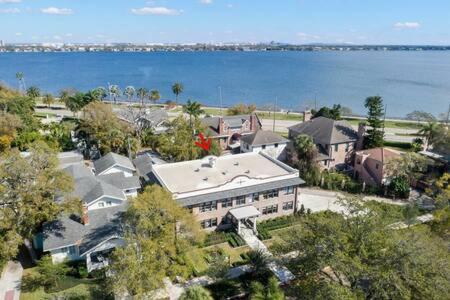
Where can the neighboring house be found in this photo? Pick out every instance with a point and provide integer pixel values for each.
(69, 157)
(266, 141)
(157, 119)
(336, 141)
(113, 163)
(91, 237)
(228, 130)
(144, 165)
(104, 198)
(370, 165)
(232, 190)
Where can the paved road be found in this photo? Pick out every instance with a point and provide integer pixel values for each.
(10, 280)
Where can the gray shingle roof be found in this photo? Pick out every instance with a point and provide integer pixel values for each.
(325, 131)
(188, 201)
(78, 170)
(234, 121)
(90, 189)
(110, 160)
(153, 117)
(120, 181)
(103, 224)
(263, 137)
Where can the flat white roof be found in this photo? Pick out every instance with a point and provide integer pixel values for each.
(244, 212)
(194, 175)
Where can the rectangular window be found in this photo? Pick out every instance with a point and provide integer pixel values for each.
(276, 145)
(347, 147)
(209, 223)
(108, 203)
(289, 190)
(227, 203)
(336, 147)
(270, 194)
(263, 147)
(272, 209)
(255, 197)
(72, 250)
(208, 206)
(240, 200)
(288, 205)
(101, 204)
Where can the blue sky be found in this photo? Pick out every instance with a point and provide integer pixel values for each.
(165, 21)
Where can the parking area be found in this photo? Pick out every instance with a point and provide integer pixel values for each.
(319, 200)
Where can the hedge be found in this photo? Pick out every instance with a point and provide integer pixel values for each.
(401, 145)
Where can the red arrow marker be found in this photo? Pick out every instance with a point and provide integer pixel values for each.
(204, 144)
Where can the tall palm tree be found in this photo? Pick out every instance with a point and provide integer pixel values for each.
(48, 99)
(429, 130)
(129, 92)
(114, 92)
(21, 78)
(33, 92)
(74, 103)
(154, 95)
(142, 93)
(193, 109)
(177, 89)
(100, 93)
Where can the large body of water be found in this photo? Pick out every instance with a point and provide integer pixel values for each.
(407, 81)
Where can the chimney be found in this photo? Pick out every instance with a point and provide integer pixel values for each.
(361, 134)
(253, 123)
(307, 115)
(212, 161)
(84, 215)
(220, 125)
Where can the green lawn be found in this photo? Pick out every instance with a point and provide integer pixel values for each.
(197, 255)
(69, 286)
(388, 123)
(44, 115)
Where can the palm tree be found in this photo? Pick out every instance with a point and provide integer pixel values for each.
(64, 95)
(33, 92)
(48, 99)
(154, 95)
(177, 89)
(100, 93)
(21, 78)
(114, 92)
(74, 103)
(142, 93)
(259, 263)
(429, 130)
(129, 92)
(193, 109)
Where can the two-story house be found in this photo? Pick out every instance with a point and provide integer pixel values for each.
(228, 130)
(336, 141)
(233, 190)
(266, 141)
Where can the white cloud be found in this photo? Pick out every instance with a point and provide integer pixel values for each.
(18, 33)
(10, 1)
(206, 1)
(57, 11)
(159, 10)
(407, 25)
(305, 36)
(10, 11)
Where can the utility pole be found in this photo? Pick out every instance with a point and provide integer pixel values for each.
(384, 119)
(274, 110)
(448, 115)
(220, 100)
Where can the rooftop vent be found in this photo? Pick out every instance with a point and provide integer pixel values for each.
(205, 179)
(224, 173)
(236, 163)
(197, 170)
(248, 171)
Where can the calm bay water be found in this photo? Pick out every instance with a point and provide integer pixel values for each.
(406, 80)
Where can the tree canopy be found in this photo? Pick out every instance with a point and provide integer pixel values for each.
(375, 135)
(241, 109)
(303, 156)
(158, 233)
(331, 113)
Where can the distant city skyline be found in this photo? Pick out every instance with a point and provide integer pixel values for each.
(412, 22)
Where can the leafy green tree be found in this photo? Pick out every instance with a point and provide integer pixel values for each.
(154, 96)
(241, 109)
(193, 109)
(158, 233)
(259, 263)
(51, 275)
(399, 187)
(219, 266)
(420, 116)
(271, 292)
(99, 93)
(330, 113)
(29, 187)
(33, 92)
(303, 156)
(408, 165)
(177, 89)
(369, 259)
(417, 145)
(430, 131)
(74, 103)
(48, 99)
(196, 292)
(142, 93)
(375, 135)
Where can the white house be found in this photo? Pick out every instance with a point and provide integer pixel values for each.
(114, 163)
(265, 141)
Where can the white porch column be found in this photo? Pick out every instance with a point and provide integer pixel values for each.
(239, 226)
(254, 225)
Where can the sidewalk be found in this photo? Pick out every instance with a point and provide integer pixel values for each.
(10, 281)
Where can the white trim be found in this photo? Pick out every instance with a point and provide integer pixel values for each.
(114, 165)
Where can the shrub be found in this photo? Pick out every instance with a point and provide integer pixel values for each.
(401, 145)
(399, 187)
(214, 238)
